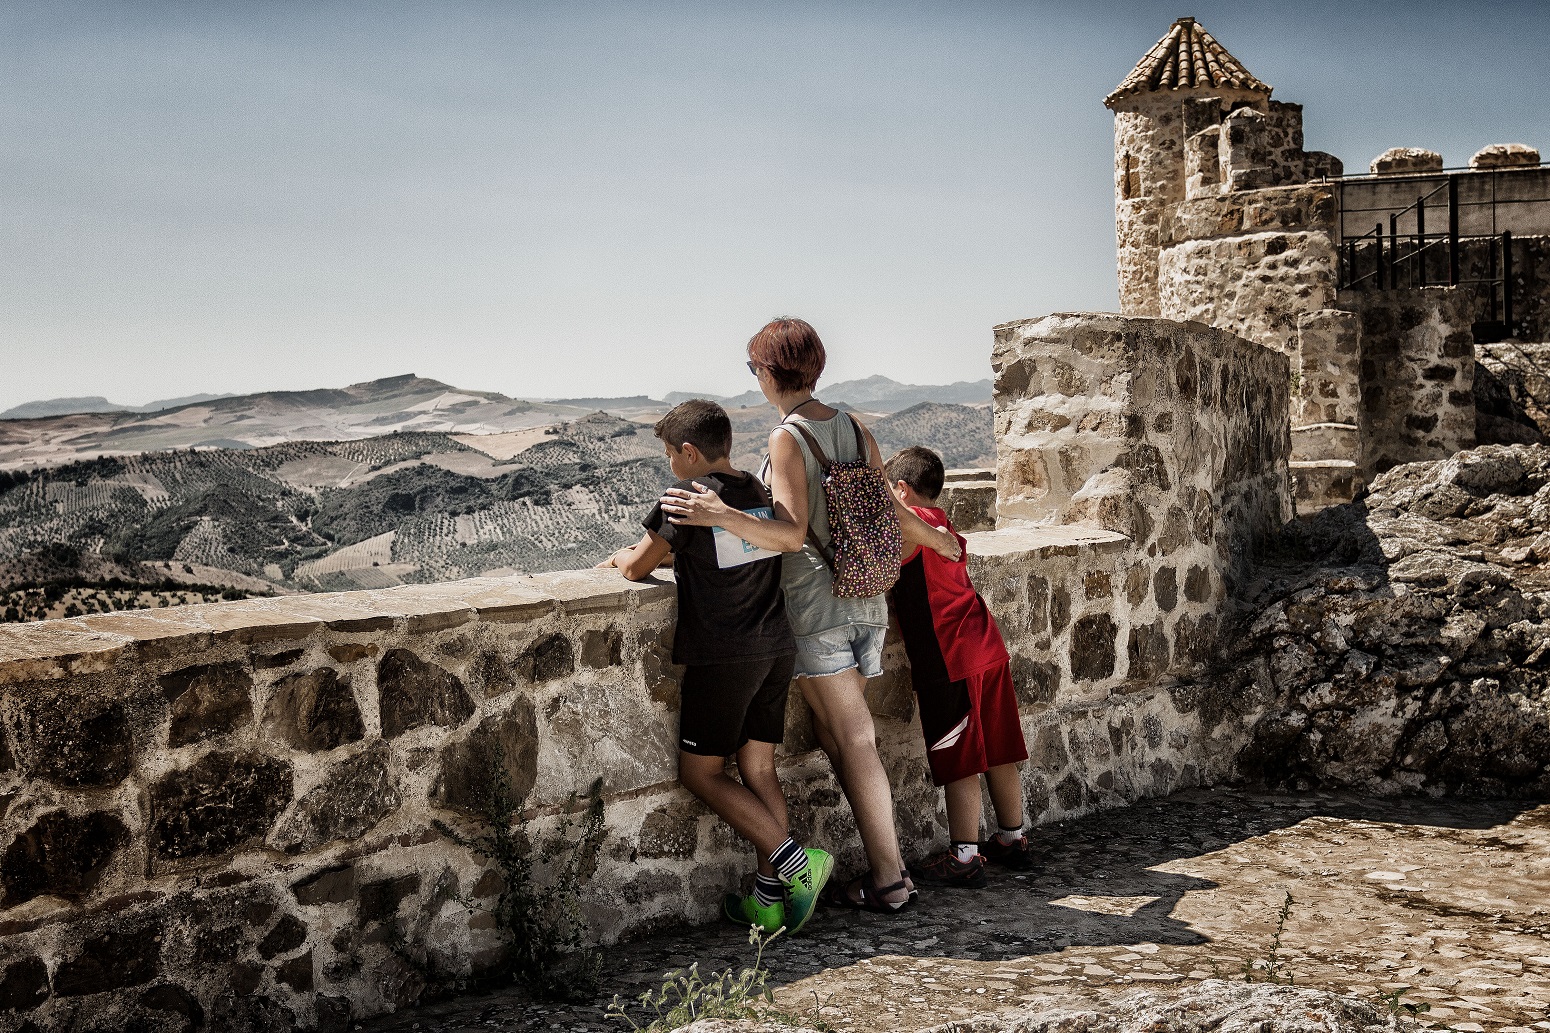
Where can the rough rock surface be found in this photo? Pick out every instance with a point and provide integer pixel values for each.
(1213, 1005)
(1414, 654)
(1512, 393)
(1440, 901)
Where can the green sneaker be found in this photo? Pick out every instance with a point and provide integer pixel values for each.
(805, 887)
(748, 911)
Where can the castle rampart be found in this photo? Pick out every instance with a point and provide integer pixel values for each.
(262, 808)
(1223, 217)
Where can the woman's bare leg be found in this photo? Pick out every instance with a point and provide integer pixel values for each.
(844, 726)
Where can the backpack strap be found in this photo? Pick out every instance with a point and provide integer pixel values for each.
(823, 465)
(812, 443)
(861, 452)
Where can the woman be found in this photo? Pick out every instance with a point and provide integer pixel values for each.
(839, 641)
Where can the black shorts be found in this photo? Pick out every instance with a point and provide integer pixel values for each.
(723, 706)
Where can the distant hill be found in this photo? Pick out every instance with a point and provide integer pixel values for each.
(406, 403)
(94, 404)
(313, 516)
(962, 435)
(873, 394)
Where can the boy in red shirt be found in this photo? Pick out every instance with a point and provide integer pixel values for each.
(963, 680)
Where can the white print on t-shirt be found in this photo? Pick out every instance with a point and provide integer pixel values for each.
(732, 551)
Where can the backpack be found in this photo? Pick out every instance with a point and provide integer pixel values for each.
(864, 536)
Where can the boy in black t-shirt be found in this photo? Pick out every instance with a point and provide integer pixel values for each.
(738, 651)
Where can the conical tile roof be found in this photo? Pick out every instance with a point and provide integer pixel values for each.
(1188, 57)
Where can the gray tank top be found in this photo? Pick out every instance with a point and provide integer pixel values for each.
(811, 604)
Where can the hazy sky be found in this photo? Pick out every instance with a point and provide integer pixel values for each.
(596, 198)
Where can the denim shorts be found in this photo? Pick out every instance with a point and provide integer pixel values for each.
(841, 649)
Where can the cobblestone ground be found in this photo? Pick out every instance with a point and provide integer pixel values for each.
(1445, 902)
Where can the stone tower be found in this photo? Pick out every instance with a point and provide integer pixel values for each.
(1184, 84)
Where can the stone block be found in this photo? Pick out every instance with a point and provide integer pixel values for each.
(552, 657)
(1147, 651)
(492, 770)
(671, 832)
(599, 649)
(380, 899)
(219, 803)
(413, 693)
(1400, 160)
(1092, 647)
(75, 739)
(288, 933)
(297, 973)
(60, 855)
(332, 885)
(1505, 156)
(315, 711)
(353, 797)
(206, 701)
(23, 984)
(111, 960)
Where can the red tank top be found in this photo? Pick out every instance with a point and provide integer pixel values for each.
(948, 629)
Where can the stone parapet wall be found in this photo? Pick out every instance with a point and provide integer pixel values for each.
(254, 815)
(1172, 434)
(1417, 373)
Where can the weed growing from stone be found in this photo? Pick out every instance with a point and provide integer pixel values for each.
(548, 948)
(1269, 970)
(1399, 1007)
(687, 996)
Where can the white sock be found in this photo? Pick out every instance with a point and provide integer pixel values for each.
(966, 851)
(1006, 836)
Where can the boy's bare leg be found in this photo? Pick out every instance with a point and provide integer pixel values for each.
(1006, 795)
(963, 809)
(733, 802)
(839, 705)
(756, 767)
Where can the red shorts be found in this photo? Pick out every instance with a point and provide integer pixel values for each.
(971, 725)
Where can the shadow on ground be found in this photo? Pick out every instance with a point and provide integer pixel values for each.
(1103, 883)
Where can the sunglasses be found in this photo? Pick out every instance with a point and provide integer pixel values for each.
(753, 367)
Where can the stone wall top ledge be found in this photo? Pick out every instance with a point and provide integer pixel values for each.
(56, 648)
(1007, 541)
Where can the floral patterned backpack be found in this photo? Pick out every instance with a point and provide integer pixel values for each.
(864, 536)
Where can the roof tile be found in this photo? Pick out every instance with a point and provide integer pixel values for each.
(1188, 57)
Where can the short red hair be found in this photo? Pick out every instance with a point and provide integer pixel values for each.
(791, 351)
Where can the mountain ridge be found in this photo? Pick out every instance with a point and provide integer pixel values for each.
(405, 403)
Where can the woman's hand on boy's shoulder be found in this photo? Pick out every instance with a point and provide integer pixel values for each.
(696, 507)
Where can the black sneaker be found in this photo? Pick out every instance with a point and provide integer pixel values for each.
(1017, 855)
(945, 869)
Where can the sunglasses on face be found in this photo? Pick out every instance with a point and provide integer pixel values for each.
(753, 367)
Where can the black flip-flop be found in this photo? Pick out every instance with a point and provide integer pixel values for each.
(837, 895)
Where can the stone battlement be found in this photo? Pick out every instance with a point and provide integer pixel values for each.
(264, 807)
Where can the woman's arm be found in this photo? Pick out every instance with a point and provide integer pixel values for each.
(788, 488)
(915, 530)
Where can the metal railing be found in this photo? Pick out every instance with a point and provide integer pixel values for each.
(1386, 259)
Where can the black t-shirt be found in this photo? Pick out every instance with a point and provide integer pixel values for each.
(730, 606)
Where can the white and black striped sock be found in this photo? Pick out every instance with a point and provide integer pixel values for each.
(788, 859)
(768, 890)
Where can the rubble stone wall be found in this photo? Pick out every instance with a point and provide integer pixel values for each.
(1256, 281)
(254, 815)
(1172, 434)
(260, 815)
(1418, 372)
